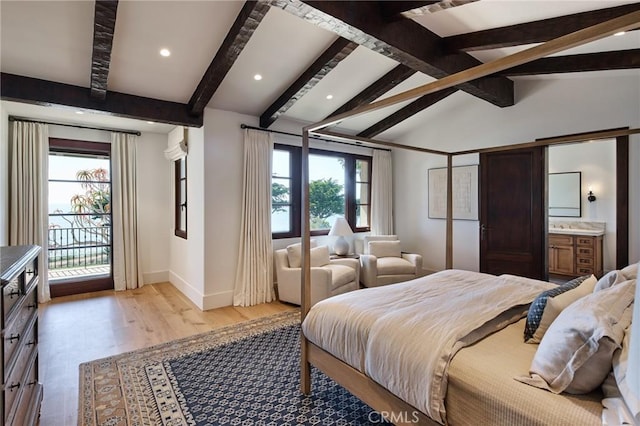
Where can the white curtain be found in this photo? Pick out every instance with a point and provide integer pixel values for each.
(29, 216)
(124, 212)
(254, 276)
(382, 194)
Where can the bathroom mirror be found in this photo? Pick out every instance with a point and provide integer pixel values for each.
(564, 194)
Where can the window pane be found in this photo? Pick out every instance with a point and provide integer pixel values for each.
(281, 219)
(362, 216)
(65, 167)
(183, 219)
(326, 190)
(281, 163)
(183, 191)
(362, 171)
(280, 191)
(362, 193)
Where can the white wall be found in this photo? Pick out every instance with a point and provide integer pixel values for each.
(597, 162)
(545, 108)
(187, 256)
(4, 176)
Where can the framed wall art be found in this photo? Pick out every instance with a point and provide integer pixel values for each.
(465, 192)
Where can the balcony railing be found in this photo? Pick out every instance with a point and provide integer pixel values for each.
(79, 247)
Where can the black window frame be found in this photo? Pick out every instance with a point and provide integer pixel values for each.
(179, 229)
(295, 160)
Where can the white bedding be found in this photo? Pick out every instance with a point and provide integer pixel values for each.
(404, 335)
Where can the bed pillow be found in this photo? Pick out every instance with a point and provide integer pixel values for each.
(575, 354)
(610, 279)
(542, 312)
(631, 271)
(294, 254)
(385, 248)
(319, 256)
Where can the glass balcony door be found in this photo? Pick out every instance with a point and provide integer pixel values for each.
(80, 247)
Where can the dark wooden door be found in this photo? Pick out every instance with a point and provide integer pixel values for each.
(512, 213)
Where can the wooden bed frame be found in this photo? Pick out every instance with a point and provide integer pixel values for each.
(376, 396)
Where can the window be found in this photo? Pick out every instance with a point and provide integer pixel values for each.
(181, 198)
(79, 234)
(339, 185)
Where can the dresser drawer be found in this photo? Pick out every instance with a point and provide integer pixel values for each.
(10, 296)
(30, 273)
(585, 251)
(22, 350)
(17, 398)
(584, 241)
(584, 261)
(26, 310)
(584, 270)
(560, 240)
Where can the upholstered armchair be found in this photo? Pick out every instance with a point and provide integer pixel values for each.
(329, 277)
(384, 263)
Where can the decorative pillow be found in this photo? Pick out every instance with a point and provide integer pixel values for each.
(294, 253)
(609, 279)
(320, 256)
(541, 314)
(575, 355)
(631, 271)
(385, 248)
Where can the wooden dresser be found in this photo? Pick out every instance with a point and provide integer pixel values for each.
(21, 391)
(575, 255)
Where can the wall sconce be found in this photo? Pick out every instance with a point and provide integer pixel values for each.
(590, 196)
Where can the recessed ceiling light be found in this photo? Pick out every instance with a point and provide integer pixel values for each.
(79, 112)
(329, 97)
(165, 52)
(620, 33)
(151, 122)
(257, 77)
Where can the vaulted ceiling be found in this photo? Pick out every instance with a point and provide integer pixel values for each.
(316, 58)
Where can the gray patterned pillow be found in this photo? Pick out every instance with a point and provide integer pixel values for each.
(536, 310)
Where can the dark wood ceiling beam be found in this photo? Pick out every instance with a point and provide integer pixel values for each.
(602, 61)
(405, 112)
(327, 61)
(404, 41)
(42, 92)
(534, 32)
(378, 88)
(104, 24)
(237, 38)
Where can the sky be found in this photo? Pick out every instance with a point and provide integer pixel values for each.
(65, 167)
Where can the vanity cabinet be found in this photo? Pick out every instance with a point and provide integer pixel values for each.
(21, 390)
(575, 255)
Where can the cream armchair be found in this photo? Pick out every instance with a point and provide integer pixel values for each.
(384, 263)
(329, 277)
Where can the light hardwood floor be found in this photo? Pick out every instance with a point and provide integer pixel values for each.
(76, 329)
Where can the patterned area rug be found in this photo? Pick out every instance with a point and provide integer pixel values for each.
(246, 374)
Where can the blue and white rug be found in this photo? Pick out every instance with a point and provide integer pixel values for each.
(240, 375)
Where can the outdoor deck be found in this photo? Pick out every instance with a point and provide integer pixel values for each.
(85, 271)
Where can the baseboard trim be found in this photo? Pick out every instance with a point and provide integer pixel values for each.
(218, 300)
(185, 288)
(155, 277)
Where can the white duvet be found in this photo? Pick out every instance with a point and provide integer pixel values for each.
(404, 335)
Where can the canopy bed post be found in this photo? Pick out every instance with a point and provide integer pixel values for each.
(305, 367)
(449, 252)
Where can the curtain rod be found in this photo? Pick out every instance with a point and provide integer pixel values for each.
(130, 132)
(245, 126)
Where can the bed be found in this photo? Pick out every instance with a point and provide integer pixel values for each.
(442, 364)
